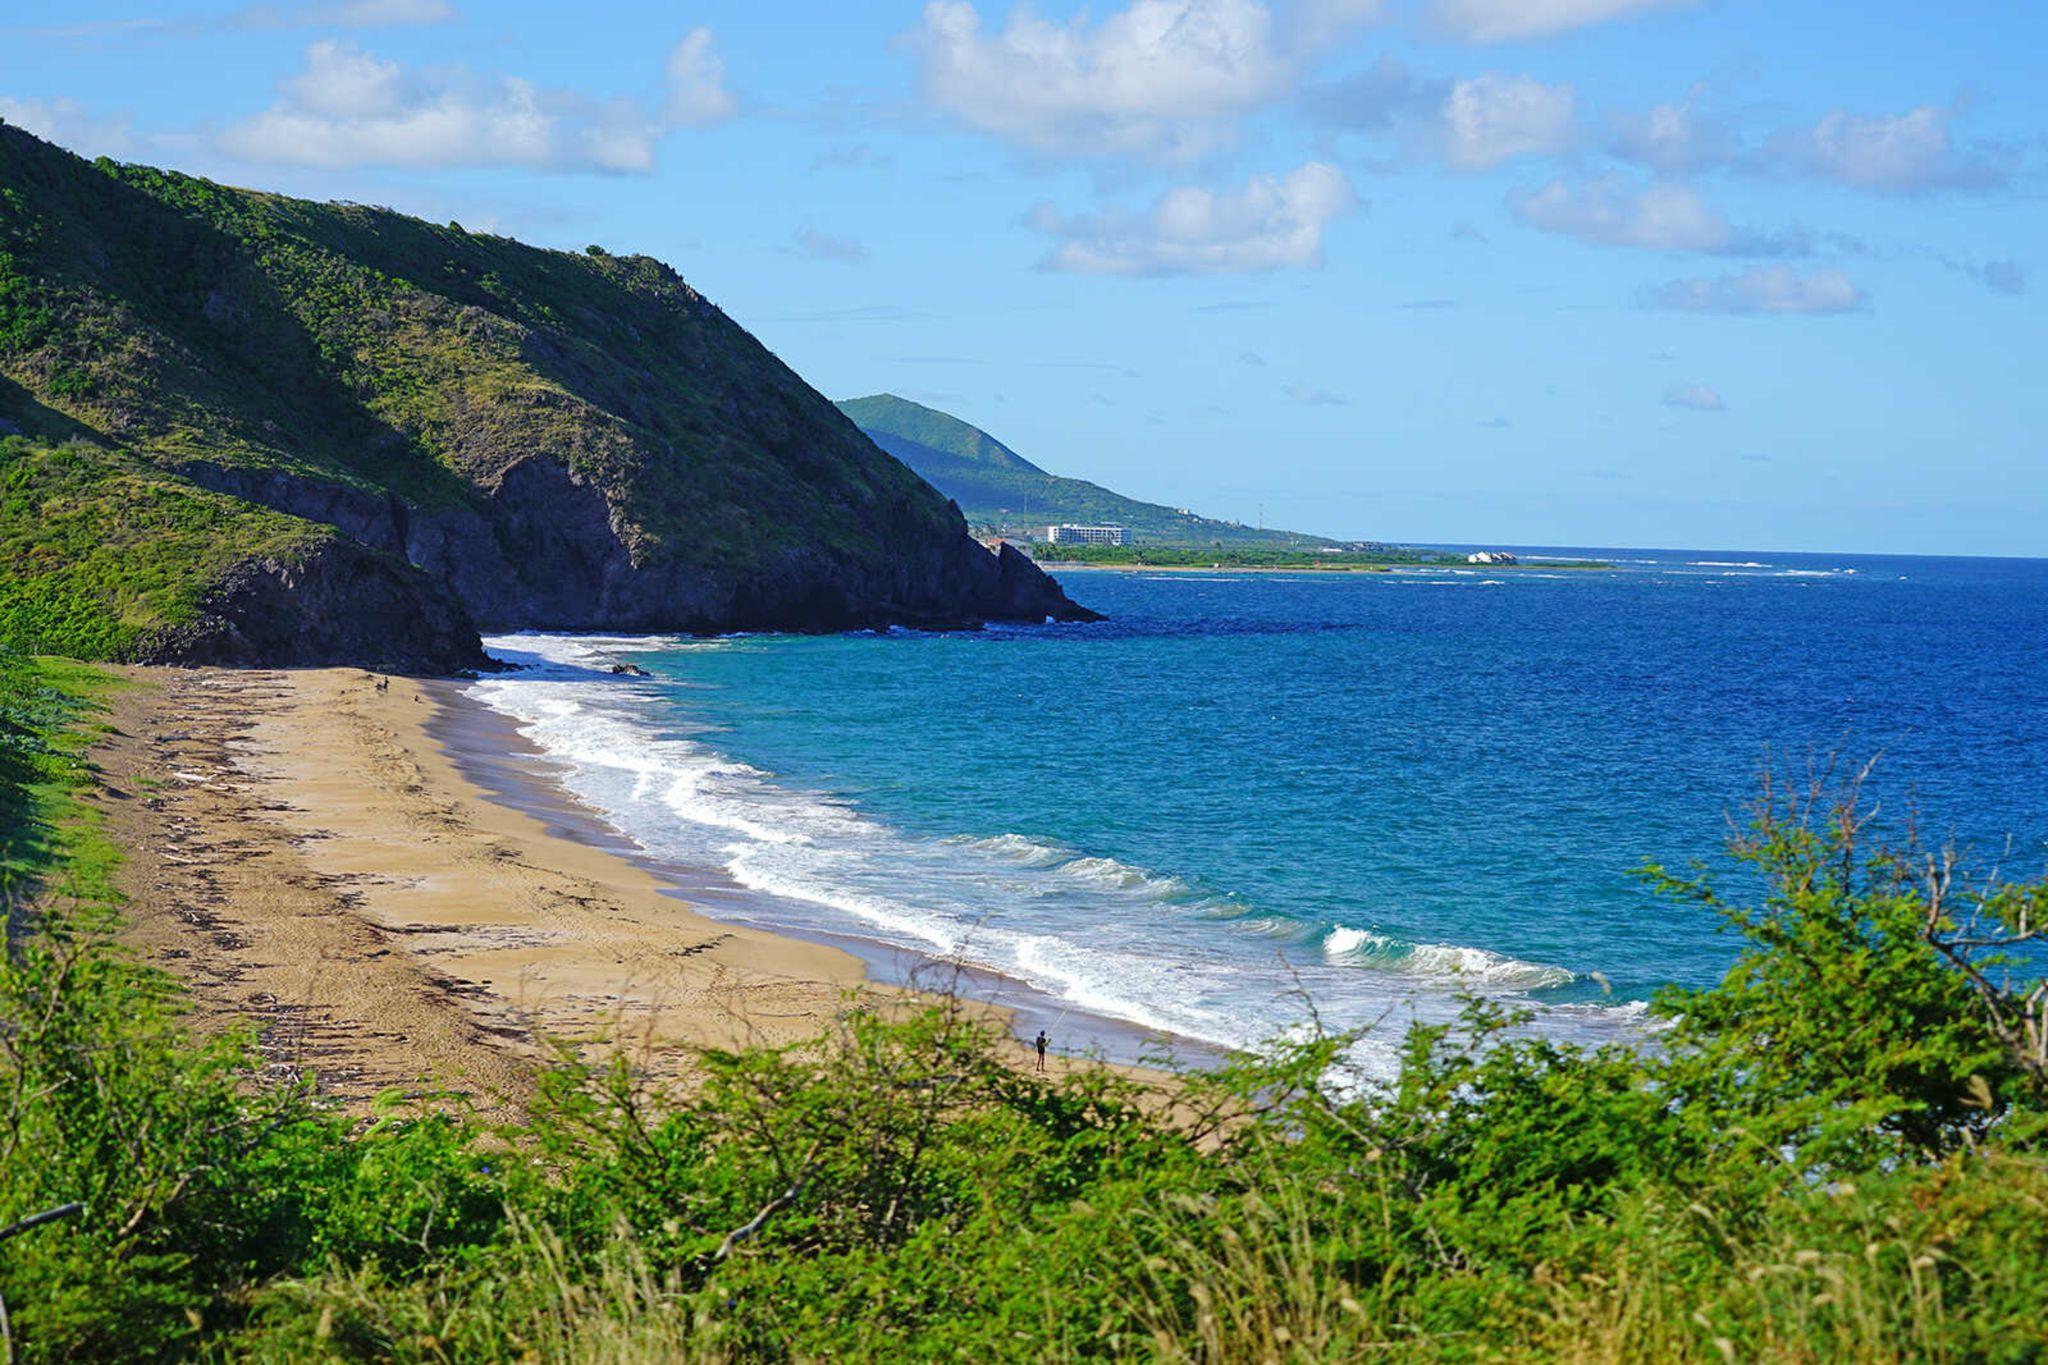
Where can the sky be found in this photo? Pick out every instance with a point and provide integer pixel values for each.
(1755, 274)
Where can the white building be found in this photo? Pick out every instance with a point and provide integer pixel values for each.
(1088, 535)
(1490, 557)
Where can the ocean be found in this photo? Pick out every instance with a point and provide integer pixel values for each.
(1246, 796)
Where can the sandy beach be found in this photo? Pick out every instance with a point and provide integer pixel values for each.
(308, 857)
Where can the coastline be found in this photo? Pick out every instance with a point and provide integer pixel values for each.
(488, 750)
(376, 883)
(1059, 566)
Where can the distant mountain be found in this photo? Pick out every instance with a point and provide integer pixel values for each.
(236, 427)
(1000, 490)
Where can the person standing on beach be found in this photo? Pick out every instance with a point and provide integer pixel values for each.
(1042, 1041)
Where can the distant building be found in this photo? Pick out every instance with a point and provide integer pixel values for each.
(1088, 535)
(1490, 557)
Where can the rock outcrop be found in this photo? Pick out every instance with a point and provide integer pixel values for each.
(336, 603)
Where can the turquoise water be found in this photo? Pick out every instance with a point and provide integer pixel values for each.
(1376, 790)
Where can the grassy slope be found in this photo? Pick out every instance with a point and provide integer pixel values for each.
(103, 552)
(1000, 489)
(46, 834)
(188, 321)
(935, 430)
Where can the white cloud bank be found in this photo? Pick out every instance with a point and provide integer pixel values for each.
(1490, 119)
(1909, 153)
(1158, 78)
(1769, 289)
(1273, 223)
(1615, 210)
(347, 107)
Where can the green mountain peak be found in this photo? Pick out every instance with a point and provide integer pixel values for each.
(935, 430)
(1001, 492)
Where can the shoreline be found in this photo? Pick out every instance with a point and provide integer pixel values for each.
(1076, 566)
(380, 888)
(487, 748)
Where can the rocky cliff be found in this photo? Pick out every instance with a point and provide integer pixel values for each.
(555, 440)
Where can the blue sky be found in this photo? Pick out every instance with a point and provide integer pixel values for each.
(1620, 272)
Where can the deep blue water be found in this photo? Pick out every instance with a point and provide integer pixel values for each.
(1378, 788)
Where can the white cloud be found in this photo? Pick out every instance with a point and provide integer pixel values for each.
(823, 246)
(347, 107)
(1159, 77)
(345, 82)
(1766, 289)
(1697, 397)
(697, 96)
(1503, 21)
(1471, 124)
(1909, 153)
(1672, 138)
(1613, 210)
(70, 124)
(1273, 223)
(1490, 119)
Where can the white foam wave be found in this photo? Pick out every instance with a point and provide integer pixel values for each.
(1342, 942)
(1124, 877)
(1016, 848)
(1441, 961)
(1105, 936)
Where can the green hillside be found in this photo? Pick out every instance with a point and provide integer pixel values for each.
(100, 550)
(1001, 491)
(940, 432)
(108, 558)
(573, 440)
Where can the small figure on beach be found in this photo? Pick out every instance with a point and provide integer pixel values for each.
(1040, 1044)
(383, 684)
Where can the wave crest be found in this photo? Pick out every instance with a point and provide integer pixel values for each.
(1441, 961)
